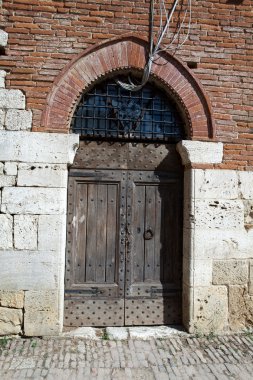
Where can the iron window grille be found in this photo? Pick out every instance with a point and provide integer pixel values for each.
(108, 111)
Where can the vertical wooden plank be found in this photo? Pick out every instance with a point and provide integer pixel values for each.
(91, 247)
(79, 228)
(150, 217)
(169, 232)
(138, 231)
(162, 193)
(101, 232)
(158, 233)
(112, 236)
(176, 265)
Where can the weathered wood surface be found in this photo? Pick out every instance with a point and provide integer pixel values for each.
(124, 231)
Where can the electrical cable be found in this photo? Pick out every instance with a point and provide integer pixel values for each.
(163, 31)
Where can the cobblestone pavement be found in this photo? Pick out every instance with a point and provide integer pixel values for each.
(223, 357)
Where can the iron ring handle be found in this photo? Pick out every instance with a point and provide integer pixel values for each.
(148, 234)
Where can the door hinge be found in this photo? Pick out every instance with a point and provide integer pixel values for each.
(94, 291)
(156, 292)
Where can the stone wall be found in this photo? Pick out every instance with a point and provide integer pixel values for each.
(218, 250)
(33, 191)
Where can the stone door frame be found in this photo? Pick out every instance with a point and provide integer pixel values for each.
(194, 155)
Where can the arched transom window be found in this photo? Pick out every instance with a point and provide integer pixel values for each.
(109, 112)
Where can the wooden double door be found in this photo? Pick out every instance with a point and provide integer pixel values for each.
(124, 236)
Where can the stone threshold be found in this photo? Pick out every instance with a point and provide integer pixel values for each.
(124, 333)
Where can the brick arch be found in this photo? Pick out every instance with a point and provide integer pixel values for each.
(121, 54)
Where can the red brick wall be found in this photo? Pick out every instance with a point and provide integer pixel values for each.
(45, 35)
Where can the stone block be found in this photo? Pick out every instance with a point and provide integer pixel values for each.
(6, 225)
(240, 308)
(200, 152)
(29, 200)
(30, 270)
(37, 147)
(188, 243)
(117, 333)
(215, 214)
(246, 184)
(90, 333)
(2, 118)
(197, 272)
(10, 168)
(3, 38)
(230, 272)
(13, 300)
(187, 302)
(2, 78)
(1, 168)
(189, 212)
(7, 180)
(18, 120)
(248, 213)
(12, 99)
(41, 313)
(251, 277)
(218, 244)
(210, 309)
(43, 175)
(148, 333)
(10, 321)
(188, 183)
(215, 184)
(25, 232)
(51, 232)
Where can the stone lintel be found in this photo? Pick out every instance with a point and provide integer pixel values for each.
(38, 147)
(200, 152)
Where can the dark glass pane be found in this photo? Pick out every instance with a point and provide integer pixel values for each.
(109, 111)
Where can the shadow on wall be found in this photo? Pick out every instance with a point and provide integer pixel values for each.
(171, 232)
